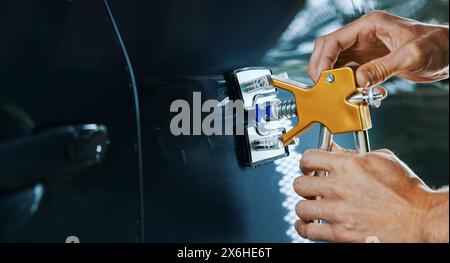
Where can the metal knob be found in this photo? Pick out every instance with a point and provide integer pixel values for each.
(372, 97)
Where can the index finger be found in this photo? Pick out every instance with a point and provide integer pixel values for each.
(318, 160)
(335, 43)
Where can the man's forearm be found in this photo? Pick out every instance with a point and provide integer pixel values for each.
(436, 221)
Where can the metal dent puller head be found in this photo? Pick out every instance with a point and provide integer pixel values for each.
(335, 102)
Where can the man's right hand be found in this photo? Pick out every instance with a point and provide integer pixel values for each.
(384, 45)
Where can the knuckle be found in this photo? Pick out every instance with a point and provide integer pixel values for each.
(310, 233)
(363, 158)
(333, 44)
(350, 224)
(365, 161)
(376, 14)
(387, 151)
(340, 216)
(339, 234)
(414, 181)
(320, 39)
(355, 161)
(354, 165)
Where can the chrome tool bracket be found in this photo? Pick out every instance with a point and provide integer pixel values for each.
(261, 142)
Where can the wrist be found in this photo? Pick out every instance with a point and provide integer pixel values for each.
(439, 36)
(434, 223)
(443, 37)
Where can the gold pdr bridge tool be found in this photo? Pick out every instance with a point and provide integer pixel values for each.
(335, 102)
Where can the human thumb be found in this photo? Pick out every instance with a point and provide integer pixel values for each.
(377, 71)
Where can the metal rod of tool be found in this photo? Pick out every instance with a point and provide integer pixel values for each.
(362, 143)
(325, 144)
(325, 139)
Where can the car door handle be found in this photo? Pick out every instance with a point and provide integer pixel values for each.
(52, 152)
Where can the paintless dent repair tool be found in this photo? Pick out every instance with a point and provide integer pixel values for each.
(335, 102)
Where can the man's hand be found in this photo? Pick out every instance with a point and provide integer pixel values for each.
(368, 197)
(384, 45)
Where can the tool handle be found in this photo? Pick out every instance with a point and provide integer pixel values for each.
(325, 143)
(362, 143)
